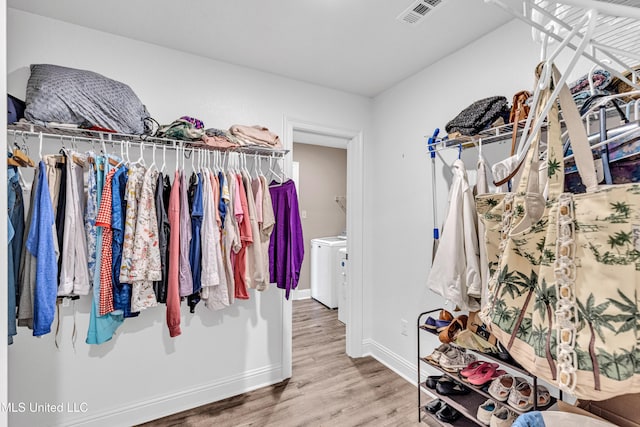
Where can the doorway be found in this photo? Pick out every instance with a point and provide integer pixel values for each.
(321, 134)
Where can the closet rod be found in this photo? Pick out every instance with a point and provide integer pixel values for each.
(91, 136)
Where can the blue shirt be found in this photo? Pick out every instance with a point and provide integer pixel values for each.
(222, 207)
(121, 291)
(41, 245)
(197, 211)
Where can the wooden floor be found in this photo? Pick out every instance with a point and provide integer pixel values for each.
(327, 387)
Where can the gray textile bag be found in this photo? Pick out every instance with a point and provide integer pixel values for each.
(67, 95)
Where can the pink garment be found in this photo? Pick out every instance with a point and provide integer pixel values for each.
(218, 142)
(246, 238)
(173, 296)
(256, 188)
(257, 134)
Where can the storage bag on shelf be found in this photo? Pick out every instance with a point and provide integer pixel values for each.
(84, 98)
(566, 271)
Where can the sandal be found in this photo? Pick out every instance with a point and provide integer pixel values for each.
(485, 374)
(521, 397)
(472, 368)
(449, 333)
(501, 387)
(544, 398)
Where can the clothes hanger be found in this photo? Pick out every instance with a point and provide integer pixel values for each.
(153, 156)
(589, 20)
(164, 158)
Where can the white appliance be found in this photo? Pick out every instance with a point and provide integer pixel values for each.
(324, 274)
(342, 284)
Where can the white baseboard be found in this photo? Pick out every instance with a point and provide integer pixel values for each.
(301, 294)
(399, 365)
(163, 406)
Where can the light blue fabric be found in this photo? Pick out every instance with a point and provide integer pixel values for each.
(41, 245)
(529, 419)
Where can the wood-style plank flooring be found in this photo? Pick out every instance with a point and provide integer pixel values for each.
(327, 387)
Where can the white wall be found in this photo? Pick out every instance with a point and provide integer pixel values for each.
(142, 373)
(399, 260)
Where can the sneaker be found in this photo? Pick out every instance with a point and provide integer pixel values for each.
(485, 411)
(437, 353)
(503, 417)
(455, 359)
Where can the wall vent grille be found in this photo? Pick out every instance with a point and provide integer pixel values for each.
(417, 11)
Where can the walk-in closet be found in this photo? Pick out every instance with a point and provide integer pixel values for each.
(352, 213)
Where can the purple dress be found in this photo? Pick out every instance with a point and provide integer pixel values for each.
(286, 249)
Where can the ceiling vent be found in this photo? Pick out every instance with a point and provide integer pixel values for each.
(417, 11)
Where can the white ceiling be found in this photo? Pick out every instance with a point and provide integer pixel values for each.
(352, 45)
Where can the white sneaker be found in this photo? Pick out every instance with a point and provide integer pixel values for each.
(503, 417)
(455, 359)
(485, 411)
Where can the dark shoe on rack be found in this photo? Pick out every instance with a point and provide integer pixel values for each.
(432, 381)
(447, 414)
(447, 388)
(434, 406)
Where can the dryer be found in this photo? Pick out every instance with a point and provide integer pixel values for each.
(324, 274)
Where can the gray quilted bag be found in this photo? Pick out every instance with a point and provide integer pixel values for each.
(67, 95)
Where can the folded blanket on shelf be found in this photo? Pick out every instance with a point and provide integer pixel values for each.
(258, 135)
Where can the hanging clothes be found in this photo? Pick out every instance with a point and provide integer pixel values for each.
(286, 248)
(173, 285)
(27, 274)
(90, 213)
(186, 279)
(101, 328)
(255, 269)
(121, 291)
(195, 250)
(40, 243)
(162, 187)
(456, 267)
(246, 239)
(266, 228)
(16, 225)
(74, 270)
(482, 187)
(214, 283)
(106, 262)
(146, 265)
(230, 235)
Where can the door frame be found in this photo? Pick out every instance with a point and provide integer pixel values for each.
(355, 231)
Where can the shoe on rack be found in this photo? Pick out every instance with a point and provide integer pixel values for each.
(503, 417)
(485, 374)
(521, 397)
(455, 359)
(437, 353)
(501, 387)
(443, 320)
(544, 397)
(471, 368)
(447, 414)
(432, 381)
(434, 406)
(449, 333)
(448, 388)
(486, 410)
